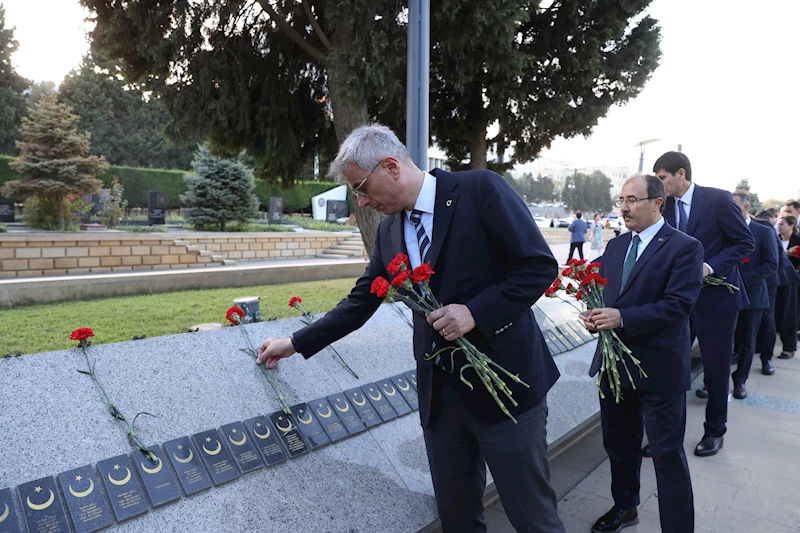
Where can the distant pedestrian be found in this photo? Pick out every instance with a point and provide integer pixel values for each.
(578, 230)
(597, 237)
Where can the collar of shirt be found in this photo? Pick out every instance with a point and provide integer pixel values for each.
(646, 236)
(747, 220)
(426, 200)
(687, 196)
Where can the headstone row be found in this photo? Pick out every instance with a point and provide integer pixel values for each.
(126, 486)
(566, 337)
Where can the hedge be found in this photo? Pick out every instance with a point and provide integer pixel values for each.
(138, 181)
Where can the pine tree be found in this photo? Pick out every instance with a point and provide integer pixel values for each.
(53, 158)
(220, 191)
(12, 86)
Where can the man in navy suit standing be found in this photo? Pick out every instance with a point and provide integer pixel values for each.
(491, 264)
(654, 277)
(761, 264)
(712, 217)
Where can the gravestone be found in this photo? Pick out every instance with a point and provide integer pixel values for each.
(336, 209)
(6, 210)
(275, 210)
(156, 207)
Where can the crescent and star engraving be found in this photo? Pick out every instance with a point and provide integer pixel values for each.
(84, 493)
(387, 390)
(184, 461)
(355, 400)
(373, 397)
(346, 406)
(239, 442)
(5, 514)
(400, 384)
(155, 470)
(414, 379)
(329, 412)
(259, 435)
(216, 450)
(286, 429)
(304, 422)
(41, 506)
(120, 482)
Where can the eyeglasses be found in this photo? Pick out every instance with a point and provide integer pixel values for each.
(632, 200)
(360, 189)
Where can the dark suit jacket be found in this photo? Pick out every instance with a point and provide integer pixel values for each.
(487, 254)
(655, 305)
(774, 280)
(763, 264)
(794, 240)
(716, 221)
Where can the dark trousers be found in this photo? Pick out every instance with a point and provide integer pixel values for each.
(715, 336)
(765, 338)
(575, 246)
(457, 446)
(663, 416)
(745, 342)
(786, 316)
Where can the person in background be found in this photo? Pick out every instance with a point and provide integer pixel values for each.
(597, 237)
(578, 236)
(786, 297)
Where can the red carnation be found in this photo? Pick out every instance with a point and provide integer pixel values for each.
(593, 265)
(380, 287)
(296, 300)
(745, 260)
(81, 334)
(234, 315)
(567, 271)
(579, 295)
(400, 260)
(549, 292)
(422, 273)
(602, 281)
(401, 278)
(570, 289)
(796, 252)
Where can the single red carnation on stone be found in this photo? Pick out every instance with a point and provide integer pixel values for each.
(234, 315)
(380, 287)
(295, 300)
(401, 278)
(400, 260)
(81, 334)
(422, 273)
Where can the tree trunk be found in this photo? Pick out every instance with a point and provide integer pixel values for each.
(477, 150)
(60, 203)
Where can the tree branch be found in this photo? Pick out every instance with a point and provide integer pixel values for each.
(314, 24)
(288, 30)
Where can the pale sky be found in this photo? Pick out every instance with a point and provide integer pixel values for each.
(725, 88)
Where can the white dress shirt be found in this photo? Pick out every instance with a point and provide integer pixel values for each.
(425, 203)
(645, 237)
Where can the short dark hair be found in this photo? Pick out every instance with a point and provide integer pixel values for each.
(655, 189)
(672, 162)
(578, 214)
(765, 214)
(743, 196)
(794, 204)
(773, 211)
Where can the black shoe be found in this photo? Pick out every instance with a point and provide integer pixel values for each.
(785, 355)
(708, 446)
(766, 368)
(702, 393)
(616, 519)
(739, 391)
(647, 451)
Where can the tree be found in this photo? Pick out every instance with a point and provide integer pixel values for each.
(587, 193)
(755, 203)
(220, 191)
(538, 72)
(12, 87)
(126, 127)
(53, 160)
(39, 89)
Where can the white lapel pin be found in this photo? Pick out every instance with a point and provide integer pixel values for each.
(449, 203)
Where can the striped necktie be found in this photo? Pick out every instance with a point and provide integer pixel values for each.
(422, 237)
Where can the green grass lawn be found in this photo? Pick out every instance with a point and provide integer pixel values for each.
(44, 328)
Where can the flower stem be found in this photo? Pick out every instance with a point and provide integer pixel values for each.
(254, 352)
(308, 319)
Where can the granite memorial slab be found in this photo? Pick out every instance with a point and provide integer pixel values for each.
(347, 413)
(379, 402)
(411, 375)
(390, 392)
(309, 426)
(289, 434)
(266, 439)
(123, 488)
(327, 416)
(566, 341)
(159, 483)
(409, 393)
(87, 505)
(9, 521)
(242, 447)
(556, 345)
(216, 457)
(187, 464)
(368, 415)
(571, 334)
(41, 507)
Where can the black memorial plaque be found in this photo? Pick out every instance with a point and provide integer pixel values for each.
(391, 393)
(582, 332)
(309, 426)
(379, 401)
(411, 375)
(556, 346)
(41, 507)
(266, 439)
(159, 483)
(368, 415)
(86, 499)
(289, 434)
(156, 207)
(9, 521)
(275, 210)
(549, 342)
(409, 393)
(242, 447)
(124, 492)
(6, 210)
(215, 456)
(187, 464)
(347, 413)
(327, 416)
(574, 339)
(336, 209)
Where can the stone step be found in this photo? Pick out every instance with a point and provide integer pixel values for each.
(180, 243)
(206, 253)
(229, 262)
(326, 255)
(195, 247)
(347, 248)
(218, 258)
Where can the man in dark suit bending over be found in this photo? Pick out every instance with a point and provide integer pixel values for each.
(491, 264)
(654, 277)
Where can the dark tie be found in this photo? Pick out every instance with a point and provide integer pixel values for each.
(684, 217)
(422, 237)
(630, 261)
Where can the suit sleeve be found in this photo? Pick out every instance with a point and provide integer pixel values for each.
(735, 232)
(531, 267)
(769, 259)
(349, 314)
(681, 293)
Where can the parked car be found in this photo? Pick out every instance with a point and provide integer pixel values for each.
(564, 222)
(542, 222)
